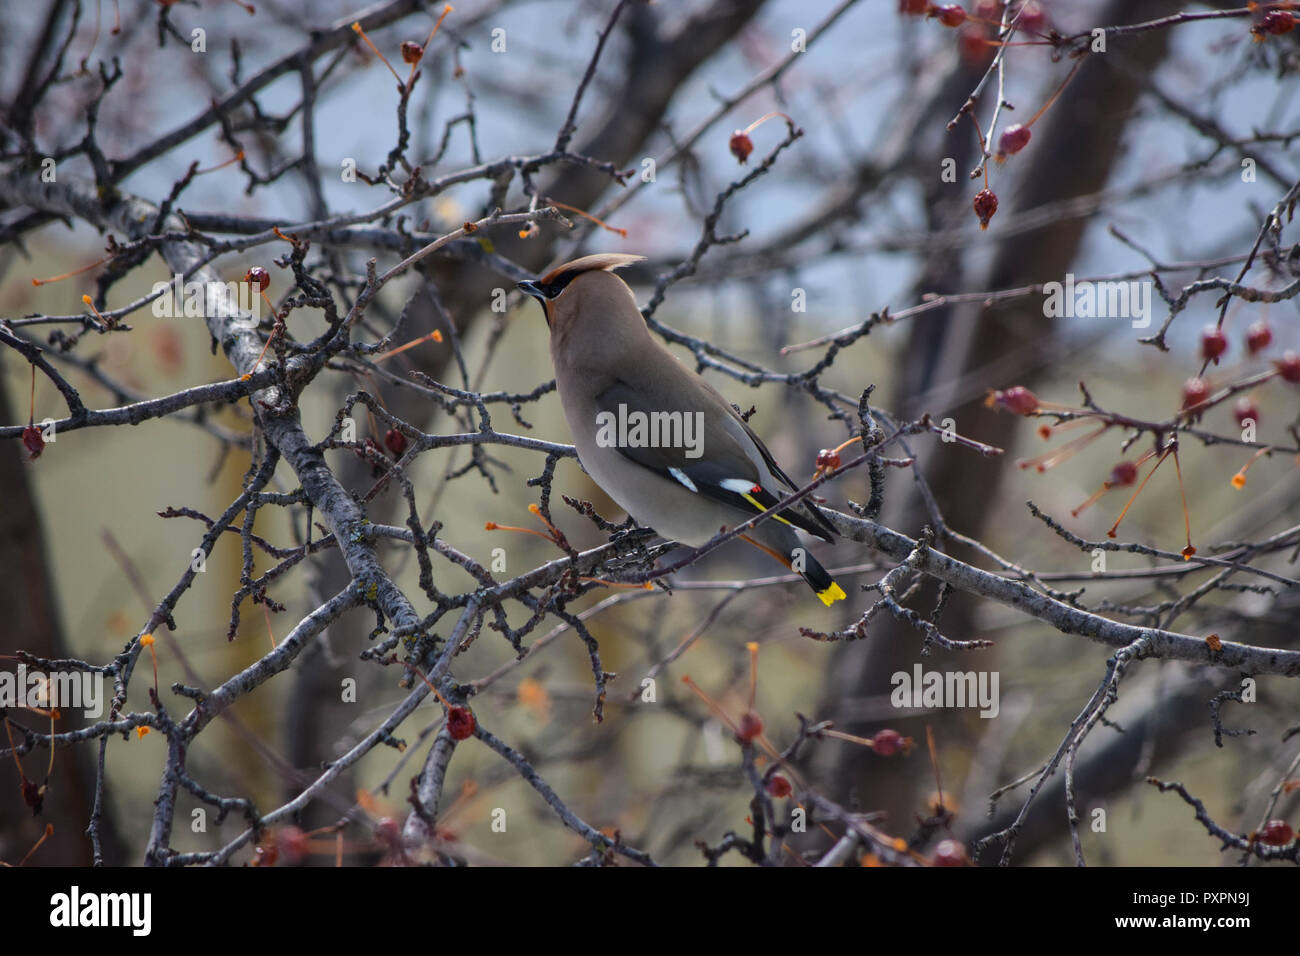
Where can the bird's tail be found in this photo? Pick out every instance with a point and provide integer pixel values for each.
(820, 581)
(805, 565)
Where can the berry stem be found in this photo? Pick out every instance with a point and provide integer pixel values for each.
(356, 28)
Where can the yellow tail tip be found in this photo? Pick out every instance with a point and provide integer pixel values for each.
(832, 594)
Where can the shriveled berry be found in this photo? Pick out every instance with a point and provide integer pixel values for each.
(411, 51)
(460, 723)
(1245, 410)
(778, 786)
(1122, 475)
(949, 14)
(1013, 140)
(1258, 337)
(741, 145)
(1017, 399)
(950, 853)
(1278, 22)
(1213, 344)
(751, 725)
(1032, 17)
(1195, 392)
(258, 277)
(395, 441)
(828, 458)
(1288, 366)
(1275, 833)
(33, 441)
(887, 742)
(973, 45)
(986, 204)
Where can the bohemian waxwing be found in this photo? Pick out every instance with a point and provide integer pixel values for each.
(654, 435)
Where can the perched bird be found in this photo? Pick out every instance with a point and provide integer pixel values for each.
(654, 435)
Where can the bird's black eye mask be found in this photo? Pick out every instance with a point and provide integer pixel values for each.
(548, 290)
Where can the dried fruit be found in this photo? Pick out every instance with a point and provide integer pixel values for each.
(1032, 17)
(1245, 410)
(778, 786)
(950, 853)
(258, 277)
(1017, 399)
(1213, 344)
(1278, 22)
(1275, 833)
(460, 723)
(751, 726)
(741, 145)
(411, 51)
(887, 742)
(1258, 337)
(1288, 366)
(828, 459)
(1013, 140)
(949, 14)
(986, 204)
(395, 441)
(1195, 392)
(1122, 475)
(33, 441)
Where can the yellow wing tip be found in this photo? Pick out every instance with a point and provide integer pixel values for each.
(832, 594)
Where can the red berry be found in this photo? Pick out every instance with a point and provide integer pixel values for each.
(411, 51)
(974, 46)
(1258, 336)
(887, 742)
(258, 277)
(828, 458)
(1013, 140)
(986, 204)
(388, 832)
(1278, 22)
(33, 441)
(266, 855)
(1032, 17)
(951, 853)
(751, 725)
(778, 786)
(293, 842)
(1246, 409)
(460, 723)
(1275, 833)
(741, 145)
(1288, 366)
(1213, 344)
(1122, 475)
(913, 7)
(1017, 399)
(989, 9)
(1195, 392)
(395, 442)
(950, 15)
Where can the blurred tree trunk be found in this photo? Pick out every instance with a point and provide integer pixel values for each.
(32, 624)
(1083, 133)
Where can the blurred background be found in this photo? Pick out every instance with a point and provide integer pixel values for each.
(1139, 159)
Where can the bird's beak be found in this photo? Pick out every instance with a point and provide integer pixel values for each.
(529, 287)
